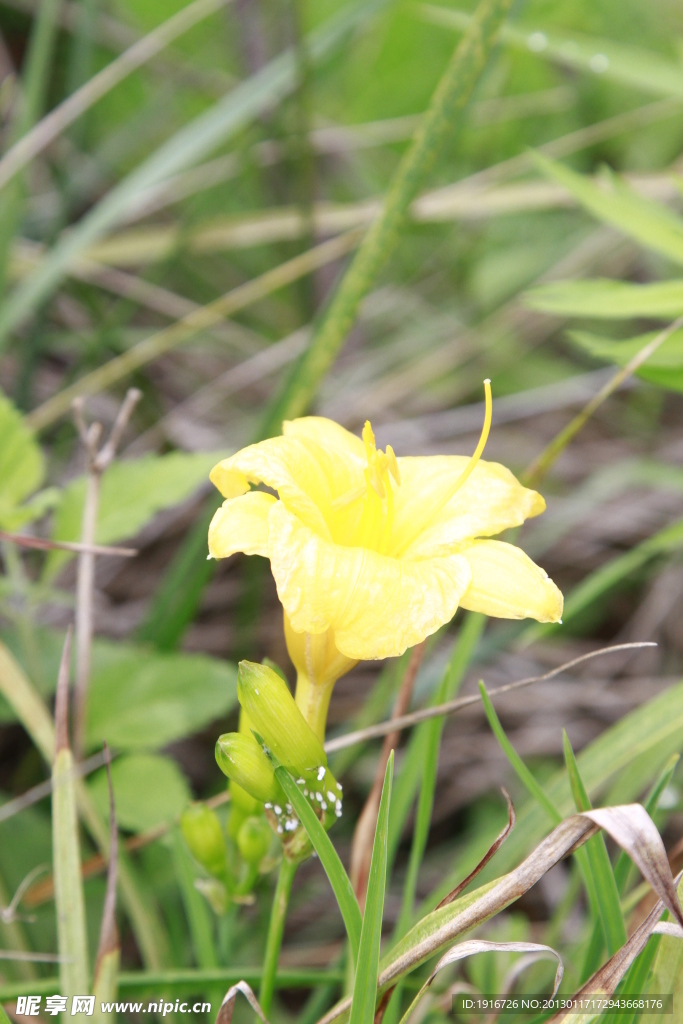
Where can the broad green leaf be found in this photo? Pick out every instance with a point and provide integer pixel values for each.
(664, 367)
(142, 700)
(22, 466)
(367, 968)
(599, 864)
(131, 494)
(649, 223)
(629, 65)
(334, 869)
(149, 790)
(606, 299)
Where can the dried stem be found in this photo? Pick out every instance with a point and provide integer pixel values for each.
(98, 460)
(363, 836)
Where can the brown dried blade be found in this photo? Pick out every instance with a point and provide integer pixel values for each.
(228, 1005)
(492, 850)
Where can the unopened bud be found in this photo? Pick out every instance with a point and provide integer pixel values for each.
(242, 800)
(276, 718)
(244, 762)
(253, 839)
(204, 836)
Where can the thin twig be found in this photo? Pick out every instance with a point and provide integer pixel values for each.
(43, 789)
(372, 732)
(43, 891)
(540, 466)
(42, 544)
(98, 461)
(361, 847)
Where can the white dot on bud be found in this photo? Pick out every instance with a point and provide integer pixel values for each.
(331, 796)
(321, 773)
(537, 42)
(323, 805)
(598, 63)
(278, 810)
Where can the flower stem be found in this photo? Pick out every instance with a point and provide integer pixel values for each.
(313, 700)
(276, 928)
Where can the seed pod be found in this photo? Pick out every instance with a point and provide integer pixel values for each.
(275, 717)
(204, 836)
(244, 762)
(253, 839)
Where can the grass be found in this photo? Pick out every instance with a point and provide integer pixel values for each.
(251, 212)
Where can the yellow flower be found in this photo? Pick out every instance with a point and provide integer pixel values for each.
(372, 553)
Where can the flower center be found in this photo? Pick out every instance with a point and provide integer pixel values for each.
(372, 528)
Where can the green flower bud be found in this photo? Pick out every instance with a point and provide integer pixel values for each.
(253, 839)
(242, 800)
(244, 762)
(204, 836)
(265, 697)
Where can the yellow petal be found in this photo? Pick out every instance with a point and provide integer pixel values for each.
(241, 524)
(328, 435)
(492, 500)
(507, 584)
(376, 605)
(288, 466)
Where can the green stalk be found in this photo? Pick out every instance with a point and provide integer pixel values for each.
(448, 102)
(276, 929)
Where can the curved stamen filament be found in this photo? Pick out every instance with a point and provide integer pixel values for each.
(466, 473)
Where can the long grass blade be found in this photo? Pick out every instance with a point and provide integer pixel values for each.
(599, 864)
(448, 101)
(334, 869)
(69, 901)
(365, 983)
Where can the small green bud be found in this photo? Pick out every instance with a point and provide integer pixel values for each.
(204, 836)
(271, 709)
(253, 839)
(244, 762)
(241, 799)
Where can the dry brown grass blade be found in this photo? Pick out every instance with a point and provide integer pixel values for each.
(492, 850)
(228, 1005)
(606, 979)
(473, 946)
(629, 825)
(364, 833)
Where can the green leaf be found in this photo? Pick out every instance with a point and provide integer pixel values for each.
(598, 862)
(132, 492)
(664, 367)
(367, 968)
(606, 299)
(149, 790)
(141, 699)
(334, 869)
(22, 466)
(649, 223)
(667, 970)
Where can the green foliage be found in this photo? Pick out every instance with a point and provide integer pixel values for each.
(149, 790)
(367, 967)
(664, 367)
(142, 700)
(132, 492)
(22, 470)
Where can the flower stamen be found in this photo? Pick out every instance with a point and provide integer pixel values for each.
(464, 476)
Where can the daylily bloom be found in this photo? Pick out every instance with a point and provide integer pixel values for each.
(371, 552)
